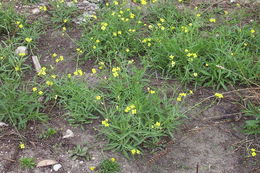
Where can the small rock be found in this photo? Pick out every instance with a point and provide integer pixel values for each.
(36, 11)
(47, 162)
(21, 49)
(3, 124)
(56, 167)
(69, 134)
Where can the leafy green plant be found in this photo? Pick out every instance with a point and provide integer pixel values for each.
(17, 105)
(27, 162)
(135, 114)
(252, 126)
(8, 17)
(114, 38)
(195, 49)
(78, 99)
(48, 133)
(109, 166)
(62, 13)
(80, 152)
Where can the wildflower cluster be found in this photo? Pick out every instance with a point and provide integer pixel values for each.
(182, 95)
(78, 72)
(135, 151)
(131, 109)
(105, 123)
(115, 71)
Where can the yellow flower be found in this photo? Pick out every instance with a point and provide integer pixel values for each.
(119, 32)
(114, 34)
(127, 50)
(212, 20)
(115, 3)
(198, 15)
(253, 154)
(22, 146)
(97, 41)
(40, 93)
(180, 0)
(105, 123)
(54, 55)
(65, 20)
(134, 111)
(54, 76)
(94, 47)
(49, 83)
(252, 31)
(253, 150)
(226, 12)
(157, 124)
(17, 68)
(218, 95)
(113, 159)
(22, 54)
(162, 20)
(135, 151)
(43, 8)
(92, 168)
(103, 28)
(69, 75)
(143, 2)
(183, 94)
(42, 71)
(178, 99)
(132, 15)
(98, 97)
(195, 74)
(27, 39)
(171, 56)
(20, 26)
(94, 71)
(173, 63)
(34, 89)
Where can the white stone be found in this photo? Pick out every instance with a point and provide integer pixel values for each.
(36, 11)
(21, 49)
(3, 124)
(56, 167)
(69, 134)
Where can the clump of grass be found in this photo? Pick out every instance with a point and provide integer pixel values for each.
(109, 166)
(27, 162)
(48, 133)
(114, 37)
(18, 106)
(135, 114)
(78, 99)
(61, 13)
(252, 126)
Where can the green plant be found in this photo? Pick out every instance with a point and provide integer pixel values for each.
(195, 49)
(135, 115)
(78, 99)
(80, 152)
(109, 166)
(48, 133)
(61, 13)
(17, 105)
(252, 126)
(8, 17)
(27, 162)
(113, 38)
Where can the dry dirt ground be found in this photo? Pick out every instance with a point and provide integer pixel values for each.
(209, 140)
